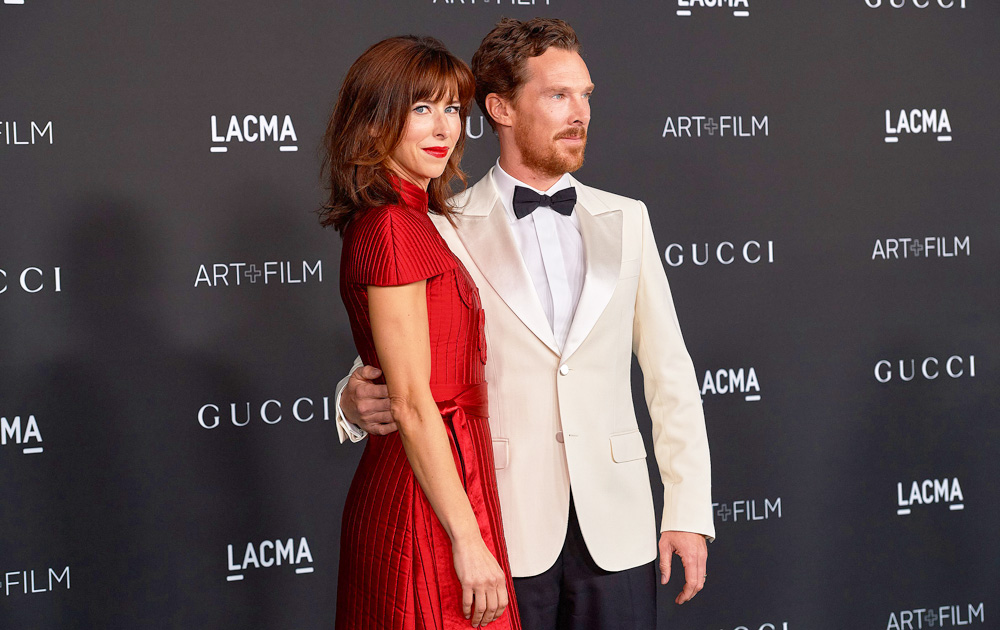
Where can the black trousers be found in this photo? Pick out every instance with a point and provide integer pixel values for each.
(576, 594)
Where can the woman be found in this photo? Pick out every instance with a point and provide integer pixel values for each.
(422, 542)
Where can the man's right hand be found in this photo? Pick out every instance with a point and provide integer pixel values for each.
(366, 404)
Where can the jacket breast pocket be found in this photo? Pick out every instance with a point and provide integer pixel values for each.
(630, 268)
(626, 447)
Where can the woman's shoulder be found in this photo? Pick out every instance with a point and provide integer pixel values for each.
(389, 219)
(393, 244)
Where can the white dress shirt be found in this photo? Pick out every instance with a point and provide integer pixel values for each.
(552, 249)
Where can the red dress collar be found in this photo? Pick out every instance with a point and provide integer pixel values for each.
(411, 195)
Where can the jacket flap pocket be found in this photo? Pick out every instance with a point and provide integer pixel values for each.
(500, 453)
(626, 447)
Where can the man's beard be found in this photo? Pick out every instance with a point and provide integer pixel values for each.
(545, 158)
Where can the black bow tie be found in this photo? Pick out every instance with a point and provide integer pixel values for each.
(526, 200)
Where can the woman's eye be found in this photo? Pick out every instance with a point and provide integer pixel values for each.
(420, 109)
(452, 109)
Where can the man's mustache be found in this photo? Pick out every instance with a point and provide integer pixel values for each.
(576, 132)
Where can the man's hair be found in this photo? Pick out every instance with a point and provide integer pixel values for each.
(500, 64)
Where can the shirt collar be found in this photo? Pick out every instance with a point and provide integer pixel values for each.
(505, 184)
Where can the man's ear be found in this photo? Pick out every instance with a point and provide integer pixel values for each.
(499, 110)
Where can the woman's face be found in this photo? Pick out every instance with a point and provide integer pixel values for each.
(432, 129)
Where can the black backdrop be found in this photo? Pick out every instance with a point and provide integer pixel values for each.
(163, 302)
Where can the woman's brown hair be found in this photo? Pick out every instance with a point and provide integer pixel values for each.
(370, 116)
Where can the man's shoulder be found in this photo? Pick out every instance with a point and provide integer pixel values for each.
(479, 193)
(609, 199)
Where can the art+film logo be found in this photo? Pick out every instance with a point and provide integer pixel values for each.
(741, 382)
(30, 582)
(917, 122)
(724, 126)
(929, 492)
(919, 4)
(736, 8)
(18, 133)
(254, 129)
(273, 411)
(496, 3)
(724, 253)
(269, 554)
(21, 432)
(31, 280)
(940, 617)
(748, 510)
(926, 247)
(929, 368)
(269, 272)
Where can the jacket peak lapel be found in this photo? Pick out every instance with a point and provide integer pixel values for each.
(601, 228)
(482, 226)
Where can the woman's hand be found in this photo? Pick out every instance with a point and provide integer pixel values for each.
(484, 586)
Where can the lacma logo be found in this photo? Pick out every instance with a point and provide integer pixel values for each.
(732, 382)
(24, 435)
(748, 510)
(27, 583)
(707, 127)
(927, 247)
(270, 272)
(740, 8)
(270, 553)
(929, 492)
(253, 128)
(725, 253)
(940, 617)
(917, 121)
(30, 133)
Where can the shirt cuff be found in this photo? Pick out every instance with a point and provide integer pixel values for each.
(345, 429)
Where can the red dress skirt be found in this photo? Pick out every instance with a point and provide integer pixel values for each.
(396, 566)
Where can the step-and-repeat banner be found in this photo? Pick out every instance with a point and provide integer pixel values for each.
(823, 183)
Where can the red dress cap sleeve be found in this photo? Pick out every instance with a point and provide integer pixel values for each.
(393, 246)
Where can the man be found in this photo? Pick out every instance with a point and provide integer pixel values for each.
(572, 284)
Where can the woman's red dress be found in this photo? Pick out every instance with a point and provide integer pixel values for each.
(396, 567)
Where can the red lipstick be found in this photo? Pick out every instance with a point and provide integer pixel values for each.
(438, 152)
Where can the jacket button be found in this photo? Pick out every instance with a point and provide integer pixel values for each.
(564, 369)
(559, 437)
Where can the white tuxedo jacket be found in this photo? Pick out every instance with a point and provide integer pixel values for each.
(562, 420)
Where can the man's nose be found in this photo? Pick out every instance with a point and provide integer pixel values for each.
(581, 110)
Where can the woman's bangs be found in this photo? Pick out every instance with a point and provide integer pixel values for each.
(440, 77)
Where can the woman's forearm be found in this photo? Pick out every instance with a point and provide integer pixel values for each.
(428, 449)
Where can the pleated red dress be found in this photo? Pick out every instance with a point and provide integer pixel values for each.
(396, 567)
